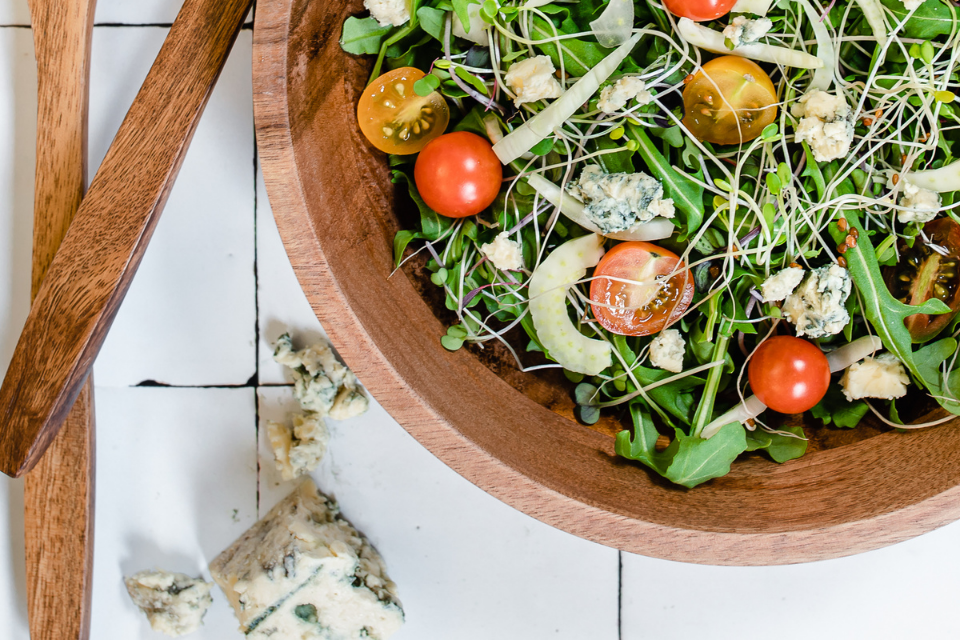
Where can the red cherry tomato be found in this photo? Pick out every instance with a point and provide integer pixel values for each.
(700, 10)
(458, 174)
(788, 374)
(650, 304)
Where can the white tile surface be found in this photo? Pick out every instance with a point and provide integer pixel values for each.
(467, 566)
(909, 590)
(13, 578)
(176, 484)
(137, 11)
(14, 12)
(189, 316)
(281, 302)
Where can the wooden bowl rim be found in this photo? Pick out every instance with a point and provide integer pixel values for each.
(303, 243)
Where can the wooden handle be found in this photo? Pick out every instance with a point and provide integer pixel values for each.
(102, 249)
(59, 492)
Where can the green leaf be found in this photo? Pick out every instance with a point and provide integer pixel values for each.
(400, 242)
(460, 8)
(933, 18)
(579, 56)
(432, 21)
(835, 408)
(687, 195)
(697, 460)
(362, 35)
(884, 312)
(472, 80)
(773, 183)
(426, 85)
(778, 446)
(432, 223)
(450, 343)
(929, 359)
(642, 446)
(812, 170)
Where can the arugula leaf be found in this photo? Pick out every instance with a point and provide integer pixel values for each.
(642, 447)
(696, 460)
(929, 359)
(362, 35)
(834, 407)
(931, 19)
(432, 21)
(400, 242)
(432, 223)
(687, 195)
(884, 312)
(778, 446)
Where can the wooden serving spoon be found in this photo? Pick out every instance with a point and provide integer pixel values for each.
(91, 272)
(59, 492)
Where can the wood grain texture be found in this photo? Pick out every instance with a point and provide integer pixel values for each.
(91, 272)
(338, 211)
(59, 492)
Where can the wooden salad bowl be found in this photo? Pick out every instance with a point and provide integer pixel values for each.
(513, 434)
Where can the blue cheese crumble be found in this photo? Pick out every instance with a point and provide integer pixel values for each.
(320, 382)
(742, 30)
(174, 603)
(388, 12)
(505, 253)
(816, 307)
(666, 351)
(615, 97)
(304, 572)
(920, 205)
(298, 449)
(781, 284)
(532, 80)
(618, 201)
(882, 376)
(826, 124)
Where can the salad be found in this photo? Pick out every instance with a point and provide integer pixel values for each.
(711, 214)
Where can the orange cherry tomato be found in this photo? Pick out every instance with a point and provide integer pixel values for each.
(729, 101)
(662, 289)
(395, 119)
(458, 174)
(788, 374)
(700, 10)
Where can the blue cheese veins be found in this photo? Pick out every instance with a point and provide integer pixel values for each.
(617, 201)
(304, 572)
(320, 382)
(816, 307)
(299, 450)
(174, 603)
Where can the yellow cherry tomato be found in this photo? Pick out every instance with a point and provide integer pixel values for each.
(729, 101)
(395, 119)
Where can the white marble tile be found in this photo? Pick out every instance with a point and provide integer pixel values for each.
(13, 578)
(909, 590)
(14, 12)
(18, 125)
(281, 302)
(468, 566)
(176, 484)
(189, 316)
(129, 12)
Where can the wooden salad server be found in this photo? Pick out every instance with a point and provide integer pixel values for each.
(59, 492)
(92, 270)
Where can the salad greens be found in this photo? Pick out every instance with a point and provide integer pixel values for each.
(744, 213)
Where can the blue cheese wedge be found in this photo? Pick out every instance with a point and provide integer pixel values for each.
(304, 572)
(174, 603)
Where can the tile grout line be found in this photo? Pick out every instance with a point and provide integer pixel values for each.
(619, 595)
(256, 319)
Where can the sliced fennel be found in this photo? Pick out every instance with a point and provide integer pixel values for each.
(756, 7)
(524, 137)
(942, 180)
(656, 229)
(478, 26)
(614, 25)
(873, 12)
(548, 306)
(838, 361)
(822, 77)
(713, 41)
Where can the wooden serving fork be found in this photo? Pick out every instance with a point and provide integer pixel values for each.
(59, 492)
(95, 264)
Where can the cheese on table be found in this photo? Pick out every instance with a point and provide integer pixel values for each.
(303, 572)
(174, 603)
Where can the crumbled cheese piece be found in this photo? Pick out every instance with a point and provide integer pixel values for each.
(816, 306)
(504, 253)
(781, 284)
(321, 383)
(532, 79)
(174, 603)
(922, 204)
(666, 351)
(880, 377)
(742, 30)
(388, 12)
(618, 201)
(910, 5)
(826, 124)
(304, 572)
(615, 96)
(298, 450)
